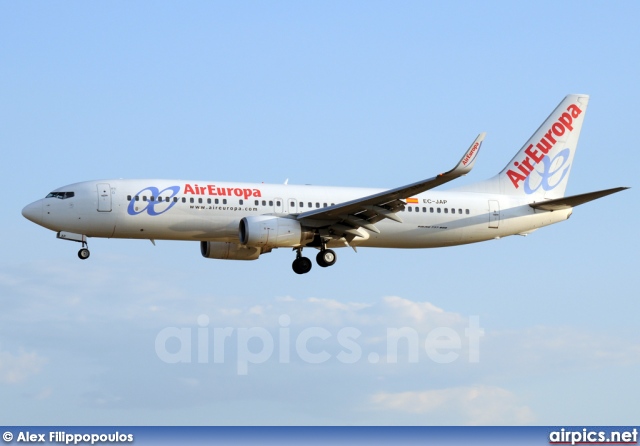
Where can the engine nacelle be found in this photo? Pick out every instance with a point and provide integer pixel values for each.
(273, 232)
(228, 251)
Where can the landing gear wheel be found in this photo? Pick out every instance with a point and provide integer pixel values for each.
(326, 258)
(83, 254)
(301, 265)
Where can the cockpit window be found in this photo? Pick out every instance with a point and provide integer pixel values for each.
(60, 195)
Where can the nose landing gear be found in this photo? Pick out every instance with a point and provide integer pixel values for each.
(83, 254)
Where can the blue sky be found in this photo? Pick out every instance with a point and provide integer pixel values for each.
(373, 94)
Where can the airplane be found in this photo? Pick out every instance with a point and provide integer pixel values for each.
(242, 221)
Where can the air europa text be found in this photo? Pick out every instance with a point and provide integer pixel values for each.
(470, 154)
(211, 189)
(546, 143)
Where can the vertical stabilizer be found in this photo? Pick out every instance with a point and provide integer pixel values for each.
(541, 167)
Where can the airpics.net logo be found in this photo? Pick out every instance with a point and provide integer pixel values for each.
(251, 346)
(592, 436)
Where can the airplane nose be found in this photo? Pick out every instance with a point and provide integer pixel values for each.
(33, 212)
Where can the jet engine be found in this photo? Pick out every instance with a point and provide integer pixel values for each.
(228, 251)
(273, 232)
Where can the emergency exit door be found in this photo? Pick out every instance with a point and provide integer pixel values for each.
(494, 214)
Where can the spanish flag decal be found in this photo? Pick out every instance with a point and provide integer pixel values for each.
(412, 200)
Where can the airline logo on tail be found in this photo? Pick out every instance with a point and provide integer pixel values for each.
(470, 154)
(538, 154)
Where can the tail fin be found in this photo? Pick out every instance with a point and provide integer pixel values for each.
(541, 168)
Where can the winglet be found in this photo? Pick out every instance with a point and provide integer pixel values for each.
(469, 158)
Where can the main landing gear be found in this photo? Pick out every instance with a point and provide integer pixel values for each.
(326, 257)
(302, 265)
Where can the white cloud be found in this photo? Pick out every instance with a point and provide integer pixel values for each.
(17, 368)
(476, 405)
(541, 348)
(118, 324)
(332, 304)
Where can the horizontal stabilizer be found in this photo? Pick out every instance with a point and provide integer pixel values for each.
(575, 200)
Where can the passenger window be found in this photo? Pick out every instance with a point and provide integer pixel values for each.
(264, 202)
(438, 210)
(216, 201)
(144, 198)
(278, 203)
(200, 200)
(191, 200)
(293, 204)
(310, 204)
(208, 200)
(467, 211)
(446, 210)
(151, 198)
(270, 202)
(175, 199)
(241, 201)
(302, 204)
(317, 205)
(333, 204)
(453, 211)
(409, 208)
(325, 205)
(184, 199)
(128, 197)
(417, 208)
(459, 211)
(224, 201)
(257, 202)
(431, 210)
(137, 198)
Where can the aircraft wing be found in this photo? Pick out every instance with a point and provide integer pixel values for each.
(344, 219)
(574, 200)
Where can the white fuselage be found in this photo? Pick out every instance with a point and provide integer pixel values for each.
(204, 211)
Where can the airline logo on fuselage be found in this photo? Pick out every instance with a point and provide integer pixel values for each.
(155, 202)
(212, 189)
(538, 154)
